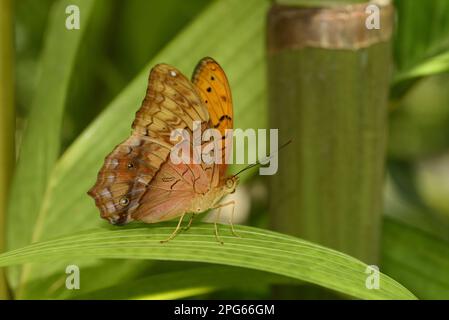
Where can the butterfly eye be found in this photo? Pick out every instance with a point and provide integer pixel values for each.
(229, 183)
(130, 165)
(124, 201)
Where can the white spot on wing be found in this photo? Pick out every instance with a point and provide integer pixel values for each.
(173, 73)
(106, 193)
(135, 141)
(111, 178)
(114, 163)
(110, 207)
(142, 180)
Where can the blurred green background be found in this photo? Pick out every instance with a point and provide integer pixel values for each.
(76, 93)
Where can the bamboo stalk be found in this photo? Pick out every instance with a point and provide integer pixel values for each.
(328, 88)
(7, 121)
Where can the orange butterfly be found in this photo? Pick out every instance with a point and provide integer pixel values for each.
(139, 182)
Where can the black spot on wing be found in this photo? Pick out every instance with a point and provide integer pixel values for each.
(222, 118)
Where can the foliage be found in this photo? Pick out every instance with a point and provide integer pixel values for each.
(77, 94)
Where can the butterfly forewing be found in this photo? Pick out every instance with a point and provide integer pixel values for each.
(213, 86)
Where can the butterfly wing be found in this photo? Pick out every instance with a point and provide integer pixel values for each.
(175, 189)
(213, 87)
(171, 193)
(171, 102)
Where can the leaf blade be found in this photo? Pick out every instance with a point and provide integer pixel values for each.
(186, 283)
(257, 249)
(416, 258)
(41, 145)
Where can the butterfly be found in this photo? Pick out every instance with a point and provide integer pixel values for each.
(138, 180)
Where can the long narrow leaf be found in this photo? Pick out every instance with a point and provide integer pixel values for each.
(421, 49)
(417, 259)
(257, 249)
(41, 143)
(187, 283)
(433, 66)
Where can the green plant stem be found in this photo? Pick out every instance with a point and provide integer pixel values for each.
(328, 92)
(7, 120)
(332, 101)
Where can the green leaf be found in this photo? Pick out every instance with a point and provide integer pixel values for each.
(187, 283)
(41, 141)
(421, 49)
(435, 65)
(416, 39)
(318, 3)
(65, 207)
(7, 121)
(256, 249)
(157, 21)
(419, 260)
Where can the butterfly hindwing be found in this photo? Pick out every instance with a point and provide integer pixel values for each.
(175, 188)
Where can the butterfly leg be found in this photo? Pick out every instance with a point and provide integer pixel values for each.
(231, 203)
(174, 233)
(190, 222)
(217, 217)
(231, 220)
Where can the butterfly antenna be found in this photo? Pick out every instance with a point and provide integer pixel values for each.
(259, 163)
